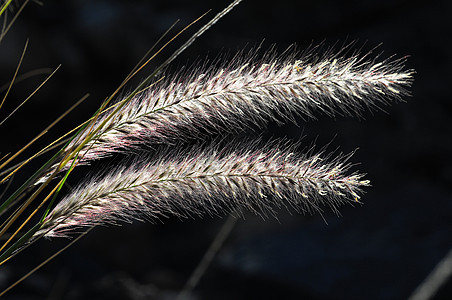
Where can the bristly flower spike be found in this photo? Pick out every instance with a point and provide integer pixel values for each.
(249, 92)
(196, 182)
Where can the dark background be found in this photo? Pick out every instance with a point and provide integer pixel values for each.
(382, 249)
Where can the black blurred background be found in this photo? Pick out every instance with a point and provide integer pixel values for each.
(382, 249)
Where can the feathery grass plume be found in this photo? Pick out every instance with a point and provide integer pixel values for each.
(196, 182)
(248, 91)
(229, 96)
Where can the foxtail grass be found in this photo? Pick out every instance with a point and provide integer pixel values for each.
(198, 182)
(182, 181)
(242, 93)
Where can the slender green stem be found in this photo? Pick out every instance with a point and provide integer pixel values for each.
(5, 6)
(58, 190)
(23, 239)
(30, 181)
